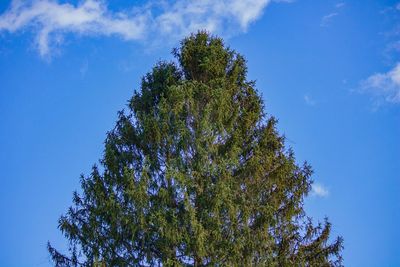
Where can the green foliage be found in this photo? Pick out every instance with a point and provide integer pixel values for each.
(195, 174)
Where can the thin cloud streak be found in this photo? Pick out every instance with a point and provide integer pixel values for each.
(326, 20)
(340, 5)
(51, 20)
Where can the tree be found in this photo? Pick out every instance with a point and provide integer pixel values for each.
(196, 174)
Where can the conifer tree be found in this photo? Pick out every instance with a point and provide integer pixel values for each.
(195, 174)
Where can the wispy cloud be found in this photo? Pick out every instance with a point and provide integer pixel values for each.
(284, 1)
(384, 86)
(392, 14)
(340, 5)
(327, 19)
(319, 190)
(51, 19)
(183, 17)
(84, 68)
(309, 100)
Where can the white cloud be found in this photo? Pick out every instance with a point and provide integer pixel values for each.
(340, 5)
(326, 20)
(51, 20)
(319, 190)
(309, 100)
(217, 16)
(384, 86)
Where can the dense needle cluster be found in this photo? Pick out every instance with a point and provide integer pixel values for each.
(195, 174)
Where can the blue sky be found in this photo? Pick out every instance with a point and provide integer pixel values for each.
(328, 70)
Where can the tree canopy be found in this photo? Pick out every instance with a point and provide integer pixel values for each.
(195, 173)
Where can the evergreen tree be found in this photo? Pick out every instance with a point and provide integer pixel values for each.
(196, 174)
